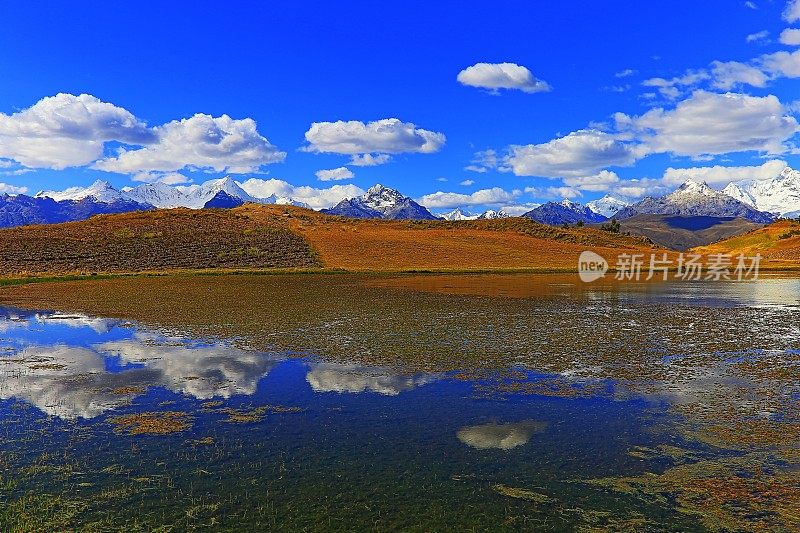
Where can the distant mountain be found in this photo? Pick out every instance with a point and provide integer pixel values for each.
(695, 199)
(223, 200)
(165, 196)
(460, 214)
(381, 202)
(99, 191)
(566, 212)
(492, 214)
(779, 195)
(608, 205)
(22, 210)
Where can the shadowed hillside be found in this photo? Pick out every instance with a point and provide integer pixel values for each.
(270, 236)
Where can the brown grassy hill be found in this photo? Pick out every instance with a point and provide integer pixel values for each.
(778, 244)
(155, 241)
(268, 236)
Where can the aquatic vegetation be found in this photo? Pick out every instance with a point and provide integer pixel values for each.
(152, 423)
(522, 494)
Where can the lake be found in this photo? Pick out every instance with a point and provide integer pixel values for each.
(415, 402)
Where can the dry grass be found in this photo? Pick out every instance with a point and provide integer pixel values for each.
(164, 423)
(778, 244)
(258, 237)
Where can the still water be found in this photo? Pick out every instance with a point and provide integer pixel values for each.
(114, 423)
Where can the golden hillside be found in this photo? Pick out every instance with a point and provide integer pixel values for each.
(778, 244)
(282, 237)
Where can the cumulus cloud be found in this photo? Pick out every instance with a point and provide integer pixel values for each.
(500, 436)
(790, 36)
(792, 11)
(601, 181)
(723, 175)
(222, 144)
(732, 73)
(373, 139)
(580, 153)
(674, 87)
(66, 130)
(625, 73)
(781, 64)
(467, 183)
(494, 196)
(711, 124)
(496, 76)
(169, 178)
(5, 188)
(335, 174)
(315, 198)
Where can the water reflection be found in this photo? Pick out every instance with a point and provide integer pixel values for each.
(332, 377)
(500, 436)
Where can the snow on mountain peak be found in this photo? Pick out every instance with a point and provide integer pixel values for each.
(695, 187)
(779, 195)
(609, 205)
(100, 191)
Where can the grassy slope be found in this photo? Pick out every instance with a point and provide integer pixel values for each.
(778, 244)
(280, 237)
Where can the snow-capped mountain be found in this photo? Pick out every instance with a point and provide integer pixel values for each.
(163, 196)
(22, 210)
(381, 202)
(695, 198)
(609, 205)
(779, 195)
(566, 212)
(491, 214)
(99, 191)
(458, 214)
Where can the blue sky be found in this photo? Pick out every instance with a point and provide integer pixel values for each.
(286, 65)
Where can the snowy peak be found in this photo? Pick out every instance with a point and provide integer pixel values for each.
(491, 214)
(695, 198)
(99, 191)
(692, 187)
(458, 214)
(608, 205)
(779, 195)
(381, 202)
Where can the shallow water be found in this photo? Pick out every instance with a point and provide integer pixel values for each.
(114, 423)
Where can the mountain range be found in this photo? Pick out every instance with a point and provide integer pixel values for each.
(381, 202)
(779, 195)
(460, 214)
(566, 212)
(695, 198)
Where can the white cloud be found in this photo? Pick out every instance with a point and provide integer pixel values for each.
(336, 174)
(5, 188)
(601, 181)
(732, 73)
(496, 76)
(387, 136)
(220, 143)
(66, 131)
(625, 73)
(580, 153)
(790, 36)
(494, 196)
(467, 183)
(637, 188)
(751, 5)
(792, 11)
(369, 160)
(673, 88)
(722, 175)
(712, 124)
(782, 64)
(315, 198)
(756, 37)
(484, 161)
(516, 210)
